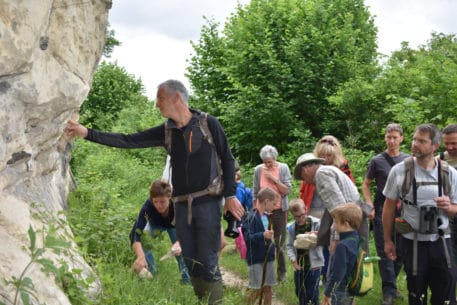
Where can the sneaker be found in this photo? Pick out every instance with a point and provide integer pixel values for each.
(387, 300)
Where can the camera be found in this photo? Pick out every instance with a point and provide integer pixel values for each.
(232, 226)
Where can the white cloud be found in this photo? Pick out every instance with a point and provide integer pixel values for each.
(156, 34)
(411, 20)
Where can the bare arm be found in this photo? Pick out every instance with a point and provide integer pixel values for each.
(366, 190)
(367, 195)
(140, 261)
(388, 219)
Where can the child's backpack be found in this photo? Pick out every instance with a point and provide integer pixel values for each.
(361, 278)
(248, 198)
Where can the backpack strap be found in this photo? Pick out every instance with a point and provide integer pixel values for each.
(388, 158)
(442, 157)
(216, 186)
(444, 176)
(409, 177)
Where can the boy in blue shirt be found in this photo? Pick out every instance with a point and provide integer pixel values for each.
(260, 249)
(346, 221)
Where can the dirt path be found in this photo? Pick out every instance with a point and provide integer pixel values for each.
(233, 280)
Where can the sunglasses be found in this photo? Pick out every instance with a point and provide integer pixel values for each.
(328, 141)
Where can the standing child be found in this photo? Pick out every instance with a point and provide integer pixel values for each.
(306, 258)
(346, 220)
(260, 249)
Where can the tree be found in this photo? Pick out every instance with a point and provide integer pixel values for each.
(269, 73)
(414, 87)
(113, 89)
(110, 42)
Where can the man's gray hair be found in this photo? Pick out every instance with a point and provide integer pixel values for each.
(432, 130)
(267, 152)
(451, 128)
(173, 86)
(394, 127)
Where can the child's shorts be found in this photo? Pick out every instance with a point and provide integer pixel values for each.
(255, 275)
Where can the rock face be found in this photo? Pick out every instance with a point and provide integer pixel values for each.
(49, 50)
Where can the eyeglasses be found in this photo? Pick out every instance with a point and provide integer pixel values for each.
(328, 141)
(297, 217)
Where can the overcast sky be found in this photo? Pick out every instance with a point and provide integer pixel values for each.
(156, 34)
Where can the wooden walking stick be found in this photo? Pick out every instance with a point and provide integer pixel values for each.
(264, 267)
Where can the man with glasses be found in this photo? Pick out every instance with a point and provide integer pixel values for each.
(334, 188)
(427, 204)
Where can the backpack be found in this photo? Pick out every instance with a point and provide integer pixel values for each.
(216, 185)
(248, 198)
(361, 277)
(443, 177)
(444, 185)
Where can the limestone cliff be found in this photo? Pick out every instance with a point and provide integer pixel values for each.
(49, 50)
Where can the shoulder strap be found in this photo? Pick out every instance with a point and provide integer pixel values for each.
(203, 122)
(409, 176)
(443, 176)
(388, 158)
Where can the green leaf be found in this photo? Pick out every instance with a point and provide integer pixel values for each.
(55, 243)
(32, 237)
(25, 297)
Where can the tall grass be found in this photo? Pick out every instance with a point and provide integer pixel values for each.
(112, 185)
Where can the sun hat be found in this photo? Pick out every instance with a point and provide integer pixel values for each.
(304, 159)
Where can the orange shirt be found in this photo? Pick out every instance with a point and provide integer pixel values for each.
(265, 182)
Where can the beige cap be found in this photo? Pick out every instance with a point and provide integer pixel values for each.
(302, 160)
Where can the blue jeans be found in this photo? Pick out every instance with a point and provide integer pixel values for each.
(342, 298)
(388, 269)
(154, 231)
(307, 286)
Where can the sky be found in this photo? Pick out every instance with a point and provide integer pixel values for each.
(156, 34)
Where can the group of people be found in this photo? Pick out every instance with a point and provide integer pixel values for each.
(330, 211)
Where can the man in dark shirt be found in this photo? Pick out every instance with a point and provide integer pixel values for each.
(192, 157)
(156, 216)
(378, 170)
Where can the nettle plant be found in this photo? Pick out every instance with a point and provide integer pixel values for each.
(54, 240)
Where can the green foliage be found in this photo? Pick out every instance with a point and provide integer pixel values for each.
(113, 89)
(415, 86)
(271, 70)
(70, 281)
(110, 42)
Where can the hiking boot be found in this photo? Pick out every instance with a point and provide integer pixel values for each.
(387, 300)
